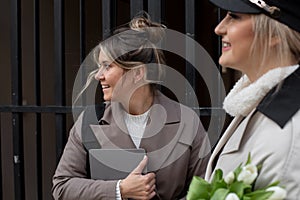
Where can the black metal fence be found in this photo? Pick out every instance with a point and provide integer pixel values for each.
(41, 50)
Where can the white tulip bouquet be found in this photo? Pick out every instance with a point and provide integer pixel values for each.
(236, 185)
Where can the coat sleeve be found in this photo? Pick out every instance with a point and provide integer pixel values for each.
(201, 149)
(200, 152)
(200, 155)
(70, 179)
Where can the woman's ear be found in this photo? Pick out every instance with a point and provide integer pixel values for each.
(139, 74)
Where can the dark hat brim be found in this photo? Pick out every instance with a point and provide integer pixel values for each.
(289, 10)
(239, 6)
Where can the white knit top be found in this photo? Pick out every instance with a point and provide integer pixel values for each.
(136, 125)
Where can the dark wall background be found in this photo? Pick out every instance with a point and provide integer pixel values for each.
(38, 172)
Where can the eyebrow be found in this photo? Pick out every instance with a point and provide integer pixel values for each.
(105, 62)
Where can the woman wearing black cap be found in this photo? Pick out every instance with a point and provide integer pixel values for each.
(262, 40)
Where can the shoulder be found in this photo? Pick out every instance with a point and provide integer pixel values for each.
(268, 134)
(283, 101)
(266, 141)
(281, 148)
(277, 147)
(90, 115)
(265, 134)
(77, 127)
(174, 108)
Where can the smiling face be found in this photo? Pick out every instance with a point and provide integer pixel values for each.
(237, 35)
(108, 74)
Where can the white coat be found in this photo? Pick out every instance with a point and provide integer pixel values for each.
(271, 133)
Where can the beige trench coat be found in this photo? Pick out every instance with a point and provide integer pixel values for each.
(271, 133)
(178, 151)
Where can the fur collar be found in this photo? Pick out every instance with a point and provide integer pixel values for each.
(245, 96)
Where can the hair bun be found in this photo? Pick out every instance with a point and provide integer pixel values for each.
(142, 23)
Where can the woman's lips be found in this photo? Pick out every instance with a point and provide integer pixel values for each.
(226, 46)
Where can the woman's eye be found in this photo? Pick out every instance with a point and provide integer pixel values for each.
(106, 67)
(233, 16)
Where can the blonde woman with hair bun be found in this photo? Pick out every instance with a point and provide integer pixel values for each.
(137, 115)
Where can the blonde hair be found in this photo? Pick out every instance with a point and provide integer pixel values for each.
(265, 29)
(134, 45)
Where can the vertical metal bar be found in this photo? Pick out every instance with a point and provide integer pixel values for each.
(109, 17)
(82, 16)
(156, 9)
(82, 30)
(59, 63)
(136, 6)
(37, 89)
(190, 50)
(190, 17)
(17, 120)
(1, 178)
(219, 83)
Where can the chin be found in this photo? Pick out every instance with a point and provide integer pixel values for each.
(225, 63)
(222, 61)
(106, 98)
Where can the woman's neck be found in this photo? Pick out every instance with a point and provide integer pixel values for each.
(272, 64)
(141, 100)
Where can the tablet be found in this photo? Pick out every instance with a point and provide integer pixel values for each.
(114, 164)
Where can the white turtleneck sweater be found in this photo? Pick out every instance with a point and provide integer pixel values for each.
(136, 125)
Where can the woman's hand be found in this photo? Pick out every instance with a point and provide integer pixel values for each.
(138, 186)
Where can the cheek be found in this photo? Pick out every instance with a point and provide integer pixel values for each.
(247, 45)
(247, 35)
(243, 40)
(113, 76)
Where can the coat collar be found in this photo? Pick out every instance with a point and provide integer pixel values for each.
(113, 110)
(163, 131)
(280, 105)
(246, 95)
(228, 133)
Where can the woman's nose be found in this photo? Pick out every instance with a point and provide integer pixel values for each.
(220, 28)
(99, 75)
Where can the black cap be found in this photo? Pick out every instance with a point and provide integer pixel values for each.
(286, 12)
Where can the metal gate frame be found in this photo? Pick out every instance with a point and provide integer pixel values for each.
(109, 17)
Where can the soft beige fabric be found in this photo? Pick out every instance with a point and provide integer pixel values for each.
(278, 148)
(175, 142)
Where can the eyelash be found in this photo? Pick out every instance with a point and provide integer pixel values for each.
(234, 16)
(105, 66)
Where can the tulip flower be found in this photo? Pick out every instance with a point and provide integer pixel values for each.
(236, 185)
(232, 196)
(248, 174)
(278, 193)
(229, 178)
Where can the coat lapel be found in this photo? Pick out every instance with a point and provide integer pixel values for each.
(229, 142)
(162, 133)
(112, 137)
(160, 146)
(113, 133)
